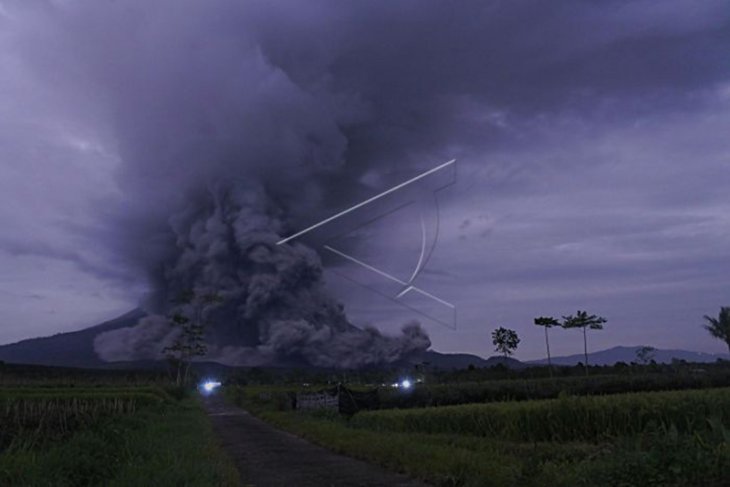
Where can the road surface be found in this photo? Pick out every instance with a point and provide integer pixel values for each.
(268, 457)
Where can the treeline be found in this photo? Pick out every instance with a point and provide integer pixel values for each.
(529, 389)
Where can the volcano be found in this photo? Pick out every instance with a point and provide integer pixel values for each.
(76, 349)
(72, 349)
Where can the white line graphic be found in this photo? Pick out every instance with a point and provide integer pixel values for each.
(366, 202)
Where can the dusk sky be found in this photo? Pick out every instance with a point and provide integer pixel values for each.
(592, 140)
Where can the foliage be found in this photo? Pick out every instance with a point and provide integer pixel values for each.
(521, 390)
(547, 322)
(50, 376)
(167, 446)
(505, 340)
(719, 327)
(584, 321)
(645, 354)
(661, 455)
(40, 416)
(590, 418)
(189, 319)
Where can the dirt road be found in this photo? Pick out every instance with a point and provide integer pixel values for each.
(268, 457)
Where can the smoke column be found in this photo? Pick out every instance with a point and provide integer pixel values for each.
(223, 149)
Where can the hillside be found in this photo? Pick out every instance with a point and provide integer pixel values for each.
(628, 354)
(72, 349)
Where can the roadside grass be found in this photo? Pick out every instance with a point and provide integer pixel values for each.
(678, 438)
(169, 444)
(444, 460)
(654, 459)
(582, 418)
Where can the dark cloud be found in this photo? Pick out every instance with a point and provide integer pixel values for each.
(586, 130)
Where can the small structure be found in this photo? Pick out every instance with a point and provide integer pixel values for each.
(339, 398)
(308, 401)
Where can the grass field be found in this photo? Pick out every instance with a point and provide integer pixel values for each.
(107, 435)
(672, 438)
(463, 392)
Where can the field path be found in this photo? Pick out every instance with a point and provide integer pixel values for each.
(268, 457)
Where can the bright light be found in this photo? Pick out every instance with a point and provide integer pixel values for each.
(210, 385)
(406, 384)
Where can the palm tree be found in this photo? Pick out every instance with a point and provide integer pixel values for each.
(547, 322)
(719, 327)
(505, 341)
(583, 320)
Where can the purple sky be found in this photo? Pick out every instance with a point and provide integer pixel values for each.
(591, 137)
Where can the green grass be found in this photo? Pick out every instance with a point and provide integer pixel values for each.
(661, 458)
(444, 460)
(170, 444)
(590, 418)
(673, 439)
(462, 392)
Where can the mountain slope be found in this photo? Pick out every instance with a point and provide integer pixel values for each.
(463, 360)
(73, 349)
(628, 355)
(76, 349)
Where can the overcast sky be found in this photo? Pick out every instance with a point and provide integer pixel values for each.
(592, 140)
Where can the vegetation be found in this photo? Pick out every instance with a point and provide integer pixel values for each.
(118, 433)
(533, 389)
(547, 322)
(645, 354)
(720, 327)
(189, 319)
(170, 445)
(567, 418)
(584, 321)
(470, 446)
(505, 341)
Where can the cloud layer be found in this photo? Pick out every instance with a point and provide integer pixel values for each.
(590, 136)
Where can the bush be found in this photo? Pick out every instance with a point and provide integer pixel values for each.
(530, 389)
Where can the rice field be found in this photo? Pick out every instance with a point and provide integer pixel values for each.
(667, 438)
(589, 418)
(75, 431)
(34, 416)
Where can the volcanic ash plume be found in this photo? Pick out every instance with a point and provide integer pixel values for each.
(273, 306)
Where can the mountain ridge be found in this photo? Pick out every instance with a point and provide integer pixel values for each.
(627, 354)
(76, 349)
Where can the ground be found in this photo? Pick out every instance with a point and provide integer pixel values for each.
(266, 456)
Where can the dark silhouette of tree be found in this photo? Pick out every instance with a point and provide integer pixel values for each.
(645, 354)
(188, 316)
(719, 327)
(585, 321)
(505, 341)
(547, 322)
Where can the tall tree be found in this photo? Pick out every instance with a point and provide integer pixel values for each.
(505, 341)
(719, 327)
(645, 354)
(547, 322)
(583, 320)
(189, 317)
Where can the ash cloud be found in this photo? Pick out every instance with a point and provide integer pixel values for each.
(233, 123)
(273, 308)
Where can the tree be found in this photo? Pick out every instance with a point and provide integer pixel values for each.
(719, 327)
(189, 316)
(547, 322)
(645, 354)
(505, 341)
(585, 321)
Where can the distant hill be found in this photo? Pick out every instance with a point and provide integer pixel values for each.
(76, 349)
(628, 355)
(72, 349)
(451, 361)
